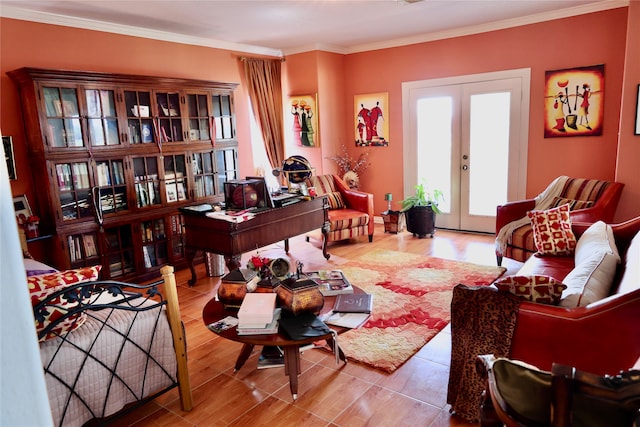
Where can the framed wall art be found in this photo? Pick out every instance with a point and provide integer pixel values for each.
(370, 126)
(7, 143)
(304, 120)
(573, 102)
(637, 130)
(22, 208)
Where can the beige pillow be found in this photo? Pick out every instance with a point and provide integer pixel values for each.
(597, 238)
(589, 281)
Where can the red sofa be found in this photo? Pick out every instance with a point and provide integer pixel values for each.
(602, 337)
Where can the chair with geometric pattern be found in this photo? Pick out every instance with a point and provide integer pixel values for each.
(590, 200)
(350, 211)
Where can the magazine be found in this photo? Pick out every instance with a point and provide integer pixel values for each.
(331, 282)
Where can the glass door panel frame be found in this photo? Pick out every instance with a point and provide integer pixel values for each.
(518, 150)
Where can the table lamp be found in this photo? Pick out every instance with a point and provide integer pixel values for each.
(388, 197)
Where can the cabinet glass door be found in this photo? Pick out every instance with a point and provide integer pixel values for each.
(147, 181)
(175, 178)
(226, 165)
(73, 190)
(119, 250)
(63, 117)
(102, 123)
(154, 243)
(198, 118)
(204, 175)
(223, 117)
(113, 188)
(140, 127)
(169, 117)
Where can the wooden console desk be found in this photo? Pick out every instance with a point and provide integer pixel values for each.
(232, 239)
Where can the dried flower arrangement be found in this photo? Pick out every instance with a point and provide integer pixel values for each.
(347, 163)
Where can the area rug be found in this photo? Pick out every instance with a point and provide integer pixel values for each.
(411, 303)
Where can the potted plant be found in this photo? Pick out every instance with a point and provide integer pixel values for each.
(420, 211)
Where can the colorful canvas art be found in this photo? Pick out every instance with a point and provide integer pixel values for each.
(574, 102)
(370, 126)
(304, 120)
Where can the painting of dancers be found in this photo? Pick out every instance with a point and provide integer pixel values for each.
(304, 120)
(573, 102)
(371, 120)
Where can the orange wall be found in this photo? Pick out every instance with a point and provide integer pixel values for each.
(596, 38)
(629, 149)
(51, 46)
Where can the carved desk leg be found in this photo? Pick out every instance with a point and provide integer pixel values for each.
(191, 254)
(325, 238)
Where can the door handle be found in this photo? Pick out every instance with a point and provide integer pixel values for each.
(465, 167)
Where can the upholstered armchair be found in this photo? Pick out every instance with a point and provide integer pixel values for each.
(590, 200)
(350, 211)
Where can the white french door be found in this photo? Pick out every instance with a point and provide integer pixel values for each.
(467, 137)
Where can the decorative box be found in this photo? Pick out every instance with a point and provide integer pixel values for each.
(393, 221)
(244, 194)
(300, 296)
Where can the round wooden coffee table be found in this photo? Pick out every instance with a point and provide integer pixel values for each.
(214, 311)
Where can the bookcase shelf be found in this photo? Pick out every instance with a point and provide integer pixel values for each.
(114, 156)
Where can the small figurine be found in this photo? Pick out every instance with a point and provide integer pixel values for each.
(299, 266)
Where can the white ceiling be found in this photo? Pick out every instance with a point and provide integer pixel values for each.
(288, 26)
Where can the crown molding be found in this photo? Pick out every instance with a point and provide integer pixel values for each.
(89, 24)
(492, 26)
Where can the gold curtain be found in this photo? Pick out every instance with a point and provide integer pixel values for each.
(263, 81)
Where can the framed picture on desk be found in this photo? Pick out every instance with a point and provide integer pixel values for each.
(22, 208)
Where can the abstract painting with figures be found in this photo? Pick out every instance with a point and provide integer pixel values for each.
(573, 102)
(370, 126)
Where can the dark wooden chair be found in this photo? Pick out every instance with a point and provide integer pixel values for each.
(518, 394)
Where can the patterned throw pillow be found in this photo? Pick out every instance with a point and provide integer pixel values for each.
(335, 200)
(552, 231)
(540, 289)
(44, 285)
(573, 204)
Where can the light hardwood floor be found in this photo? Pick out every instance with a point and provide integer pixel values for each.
(329, 394)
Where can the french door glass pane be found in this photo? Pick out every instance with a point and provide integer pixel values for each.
(434, 117)
(489, 148)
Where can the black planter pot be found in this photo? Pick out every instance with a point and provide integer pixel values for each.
(421, 221)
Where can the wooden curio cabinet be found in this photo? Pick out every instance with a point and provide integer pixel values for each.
(114, 156)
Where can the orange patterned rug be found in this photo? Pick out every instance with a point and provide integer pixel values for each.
(411, 303)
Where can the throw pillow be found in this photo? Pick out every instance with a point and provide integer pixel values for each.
(536, 288)
(335, 200)
(35, 268)
(45, 285)
(597, 238)
(589, 281)
(552, 231)
(573, 204)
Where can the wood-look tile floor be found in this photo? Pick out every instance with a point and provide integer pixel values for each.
(328, 394)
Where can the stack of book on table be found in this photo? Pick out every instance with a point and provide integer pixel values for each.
(351, 310)
(258, 314)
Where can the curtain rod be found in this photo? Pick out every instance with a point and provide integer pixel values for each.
(244, 58)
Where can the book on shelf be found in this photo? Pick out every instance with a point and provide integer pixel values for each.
(331, 282)
(257, 309)
(270, 357)
(90, 249)
(353, 303)
(271, 328)
(347, 320)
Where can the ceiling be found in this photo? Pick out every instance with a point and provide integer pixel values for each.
(273, 27)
